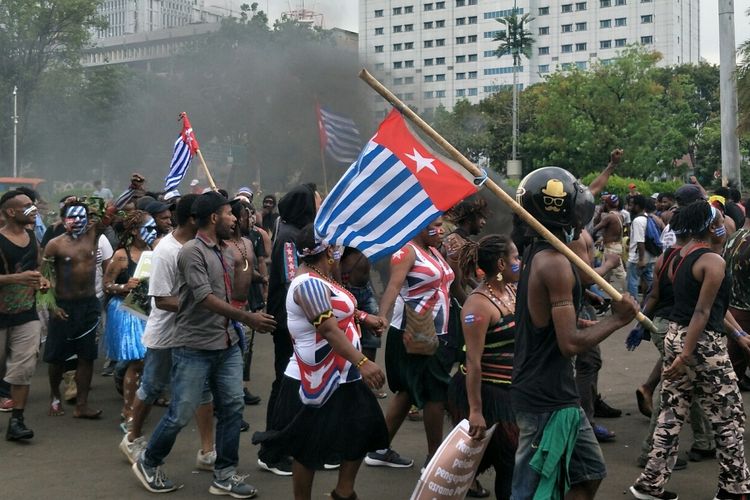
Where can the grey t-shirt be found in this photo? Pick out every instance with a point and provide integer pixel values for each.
(200, 273)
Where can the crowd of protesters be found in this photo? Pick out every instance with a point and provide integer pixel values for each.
(493, 328)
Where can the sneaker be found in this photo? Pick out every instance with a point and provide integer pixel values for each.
(725, 495)
(331, 466)
(680, 464)
(244, 426)
(132, 449)
(250, 398)
(6, 404)
(17, 430)
(696, 455)
(642, 495)
(153, 478)
(603, 435)
(205, 461)
(108, 369)
(603, 410)
(283, 468)
(388, 459)
(235, 487)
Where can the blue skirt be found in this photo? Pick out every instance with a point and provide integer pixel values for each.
(123, 333)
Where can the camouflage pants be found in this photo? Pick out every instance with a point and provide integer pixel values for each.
(713, 382)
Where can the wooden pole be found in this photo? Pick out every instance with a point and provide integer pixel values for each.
(323, 163)
(211, 182)
(561, 247)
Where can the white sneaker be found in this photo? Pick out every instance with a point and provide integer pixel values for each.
(132, 450)
(205, 461)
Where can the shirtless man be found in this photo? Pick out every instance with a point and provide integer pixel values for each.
(73, 325)
(610, 227)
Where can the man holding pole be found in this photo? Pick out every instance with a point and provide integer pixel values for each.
(544, 392)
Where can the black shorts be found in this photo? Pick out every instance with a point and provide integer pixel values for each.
(77, 334)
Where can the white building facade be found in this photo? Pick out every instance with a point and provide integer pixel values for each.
(129, 17)
(436, 52)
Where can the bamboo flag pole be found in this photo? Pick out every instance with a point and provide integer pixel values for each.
(205, 169)
(584, 267)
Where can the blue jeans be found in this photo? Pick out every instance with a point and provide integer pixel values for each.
(155, 379)
(190, 370)
(586, 462)
(635, 274)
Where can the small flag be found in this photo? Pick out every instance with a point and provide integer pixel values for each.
(339, 136)
(185, 148)
(397, 186)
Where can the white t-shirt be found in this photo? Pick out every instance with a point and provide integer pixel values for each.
(668, 238)
(103, 252)
(159, 332)
(638, 235)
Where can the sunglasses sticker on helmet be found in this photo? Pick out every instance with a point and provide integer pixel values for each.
(554, 195)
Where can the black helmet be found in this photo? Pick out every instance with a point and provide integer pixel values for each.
(556, 199)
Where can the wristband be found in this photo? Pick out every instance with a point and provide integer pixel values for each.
(739, 333)
(362, 361)
(361, 316)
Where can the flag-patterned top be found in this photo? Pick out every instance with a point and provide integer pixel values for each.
(184, 149)
(310, 301)
(397, 186)
(426, 287)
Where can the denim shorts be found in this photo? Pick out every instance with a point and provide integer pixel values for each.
(586, 462)
(156, 377)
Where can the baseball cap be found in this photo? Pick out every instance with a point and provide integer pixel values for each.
(171, 195)
(631, 186)
(208, 203)
(143, 202)
(687, 194)
(156, 207)
(245, 191)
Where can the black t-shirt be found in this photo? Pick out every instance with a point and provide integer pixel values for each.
(255, 297)
(17, 302)
(543, 379)
(269, 222)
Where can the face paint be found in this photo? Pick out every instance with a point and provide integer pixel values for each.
(148, 231)
(337, 253)
(515, 267)
(720, 231)
(432, 232)
(29, 211)
(76, 220)
(471, 318)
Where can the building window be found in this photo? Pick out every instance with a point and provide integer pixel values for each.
(439, 93)
(647, 40)
(566, 28)
(428, 6)
(472, 39)
(473, 58)
(460, 40)
(581, 65)
(428, 44)
(621, 2)
(605, 44)
(544, 68)
(409, 46)
(580, 47)
(440, 42)
(397, 29)
(460, 76)
(398, 81)
(580, 26)
(408, 80)
(605, 3)
(472, 19)
(428, 62)
(440, 77)
(567, 7)
(408, 9)
(621, 21)
(605, 23)
(473, 2)
(621, 42)
(489, 53)
(439, 5)
(543, 11)
(428, 25)
(439, 61)
(378, 49)
(396, 47)
(440, 24)
(492, 34)
(543, 51)
(472, 75)
(378, 31)
(460, 3)
(379, 66)
(460, 92)
(397, 11)
(408, 27)
(580, 6)
(544, 30)
(429, 94)
(409, 96)
(397, 65)
(647, 19)
(409, 64)
(379, 13)
(566, 66)
(568, 47)
(428, 78)
(460, 59)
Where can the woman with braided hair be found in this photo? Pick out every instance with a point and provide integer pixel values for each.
(124, 329)
(480, 390)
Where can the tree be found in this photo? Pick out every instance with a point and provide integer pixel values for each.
(743, 86)
(515, 40)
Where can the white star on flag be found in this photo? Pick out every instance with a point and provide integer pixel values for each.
(421, 161)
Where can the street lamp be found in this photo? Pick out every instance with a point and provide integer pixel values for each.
(15, 131)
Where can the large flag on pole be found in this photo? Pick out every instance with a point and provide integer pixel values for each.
(397, 186)
(185, 148)
(339, 136)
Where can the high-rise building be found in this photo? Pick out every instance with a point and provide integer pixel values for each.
(436, 52)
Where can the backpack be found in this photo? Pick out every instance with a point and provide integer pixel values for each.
(653, 237)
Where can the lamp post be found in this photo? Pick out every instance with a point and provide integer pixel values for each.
(730, 145)
(15, 131)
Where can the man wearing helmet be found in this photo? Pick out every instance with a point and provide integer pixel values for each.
(544, 392)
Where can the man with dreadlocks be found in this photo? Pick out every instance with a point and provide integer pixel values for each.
(469, 216)
(73, 324)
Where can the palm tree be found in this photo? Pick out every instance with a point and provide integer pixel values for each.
(516, 40)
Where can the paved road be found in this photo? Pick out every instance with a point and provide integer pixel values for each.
(70, 458)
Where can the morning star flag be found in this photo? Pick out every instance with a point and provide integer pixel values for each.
(339, 136)
(184, 149)
(397, 186)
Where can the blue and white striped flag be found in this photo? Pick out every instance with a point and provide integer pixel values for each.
(185, 148)
(339, 136)
(397, 186)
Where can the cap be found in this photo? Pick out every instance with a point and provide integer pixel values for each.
(631, 186)
(156, 207)
(245, 191)
(207, 203)
(143, 202)
(171, 195)
(687, 194)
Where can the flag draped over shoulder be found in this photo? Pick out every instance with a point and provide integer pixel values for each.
(339, 136)
(185, 148)
(397, 186)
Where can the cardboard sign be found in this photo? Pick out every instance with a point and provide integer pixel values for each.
(143, 268)
(451, 471)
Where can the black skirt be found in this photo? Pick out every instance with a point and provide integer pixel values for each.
(345, 428)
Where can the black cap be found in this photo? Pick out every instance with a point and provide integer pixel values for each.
(156, 207)
(687, 194)
(208, 203)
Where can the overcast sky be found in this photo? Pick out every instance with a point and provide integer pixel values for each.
(344, 14)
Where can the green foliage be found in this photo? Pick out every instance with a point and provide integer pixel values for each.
(619, 185)
(514, 39)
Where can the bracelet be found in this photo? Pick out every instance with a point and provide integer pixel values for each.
(362, 316)
(739, 333)
(362, 361)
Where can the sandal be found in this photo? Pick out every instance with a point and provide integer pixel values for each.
(336, 496)
(477, 490)
(55, 408)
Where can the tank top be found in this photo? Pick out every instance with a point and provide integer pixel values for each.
(666, 291)
(497, 356)
(127, 273)
(687, 289)
(543, 379)
(426, 286)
